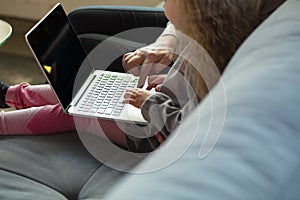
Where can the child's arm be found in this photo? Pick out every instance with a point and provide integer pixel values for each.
(164, 113)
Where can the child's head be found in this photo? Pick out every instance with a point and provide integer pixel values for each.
(220, 26)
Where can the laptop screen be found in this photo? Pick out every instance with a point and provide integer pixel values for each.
(58, 51)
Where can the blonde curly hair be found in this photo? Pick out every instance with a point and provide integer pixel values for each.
(220, 26)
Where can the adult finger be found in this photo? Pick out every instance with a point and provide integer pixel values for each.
(152, 82)
(147, 68)
(158, 88)
(151, 85)
(131, 62)
(125, 59)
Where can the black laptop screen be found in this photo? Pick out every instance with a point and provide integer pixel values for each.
(58, 51)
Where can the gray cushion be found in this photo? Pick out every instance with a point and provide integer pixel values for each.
(257, 154)
(17, 187)
(31, 157)
(51, 167)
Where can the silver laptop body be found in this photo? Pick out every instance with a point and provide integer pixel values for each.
(88, 92)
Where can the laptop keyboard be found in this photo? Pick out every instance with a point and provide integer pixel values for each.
(106, 96)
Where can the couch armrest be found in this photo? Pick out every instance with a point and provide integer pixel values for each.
(111, 20)
(95, 24)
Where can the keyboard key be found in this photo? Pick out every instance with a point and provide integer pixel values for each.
(106, 96)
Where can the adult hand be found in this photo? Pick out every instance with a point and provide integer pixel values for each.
(136, 97)
(144, 62)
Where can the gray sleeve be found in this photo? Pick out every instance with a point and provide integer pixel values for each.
(164, 113)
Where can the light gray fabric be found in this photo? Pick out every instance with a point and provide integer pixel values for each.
(98, 184)
(257, 155)
(17, 187)
(57, 162)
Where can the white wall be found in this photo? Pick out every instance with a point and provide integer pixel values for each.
(35, 9)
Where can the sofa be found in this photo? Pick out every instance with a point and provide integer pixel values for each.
(242, 141)
(59, 166)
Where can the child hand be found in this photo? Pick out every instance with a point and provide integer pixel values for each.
(155, 81)
(136, 97)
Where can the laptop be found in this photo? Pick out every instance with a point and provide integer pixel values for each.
(80, 89)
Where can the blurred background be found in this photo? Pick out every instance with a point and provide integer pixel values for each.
(16, 61)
